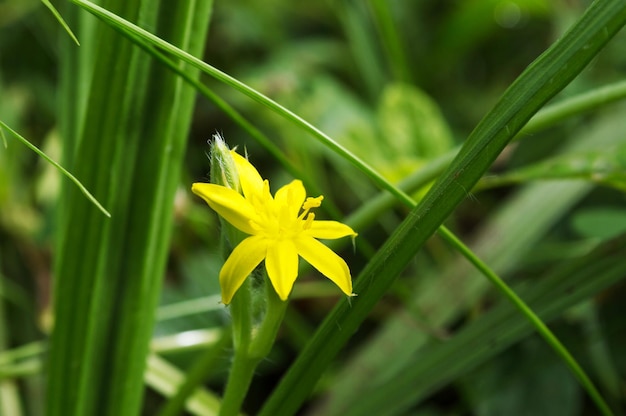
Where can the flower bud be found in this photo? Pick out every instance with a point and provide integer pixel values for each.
(223, 169)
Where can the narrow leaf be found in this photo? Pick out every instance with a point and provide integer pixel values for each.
(441, 363)
(551, 72)
(56, 165)
(61, 21)
(605, 167)
(4, 139)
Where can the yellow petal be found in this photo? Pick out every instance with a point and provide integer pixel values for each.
(329, 230)
(291, 196)
(227, 203)
(241, 262)
(249, 178)
(325, 261)
(282, 266)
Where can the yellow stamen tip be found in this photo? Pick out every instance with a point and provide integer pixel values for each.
(312, 202)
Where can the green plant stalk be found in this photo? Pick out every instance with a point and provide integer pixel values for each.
(239, 380)
(241, 316)
(253, 346)
(539, 325)
(60, 168)
(575, 105)
(24, 368)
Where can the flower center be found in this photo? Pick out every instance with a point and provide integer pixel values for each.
(280, 220)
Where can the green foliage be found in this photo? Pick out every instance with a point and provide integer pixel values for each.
(491, 117)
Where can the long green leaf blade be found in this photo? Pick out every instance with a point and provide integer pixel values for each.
(60, 168)
(60, 19)
(551, 72)
(129, 148)
(441, 363)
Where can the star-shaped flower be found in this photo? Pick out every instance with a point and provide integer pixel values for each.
(281, 229)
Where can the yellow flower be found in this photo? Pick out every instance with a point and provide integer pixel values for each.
(280, 229)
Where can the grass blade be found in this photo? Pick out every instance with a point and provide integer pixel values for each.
(441, 363)
(551, 72)
(129, 148)
(60, 168)
(59, 18)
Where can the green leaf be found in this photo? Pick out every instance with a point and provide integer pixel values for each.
(4, 139)
(60, 168)
(600, 222)
(547, 117)
(411, 123)
(545, 203)
(439, 363)
(604, 167)
(552, 71)
(60, 20)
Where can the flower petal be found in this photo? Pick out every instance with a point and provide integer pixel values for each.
(329, 230)
(227, 203)
(325, 261)
(241, 262)
(282, 266)
(291, 196)
(249, 178)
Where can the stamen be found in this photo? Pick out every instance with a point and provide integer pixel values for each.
(308, 221)
(312, 202)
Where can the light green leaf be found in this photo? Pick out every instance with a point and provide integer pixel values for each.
(600, 222)
(605, 167)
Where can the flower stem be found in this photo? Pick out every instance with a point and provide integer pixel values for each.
(251, 347)
(239, 379)
(262, 343)
(241, 315)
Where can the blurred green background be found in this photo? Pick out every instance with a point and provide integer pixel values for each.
(399, 84)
